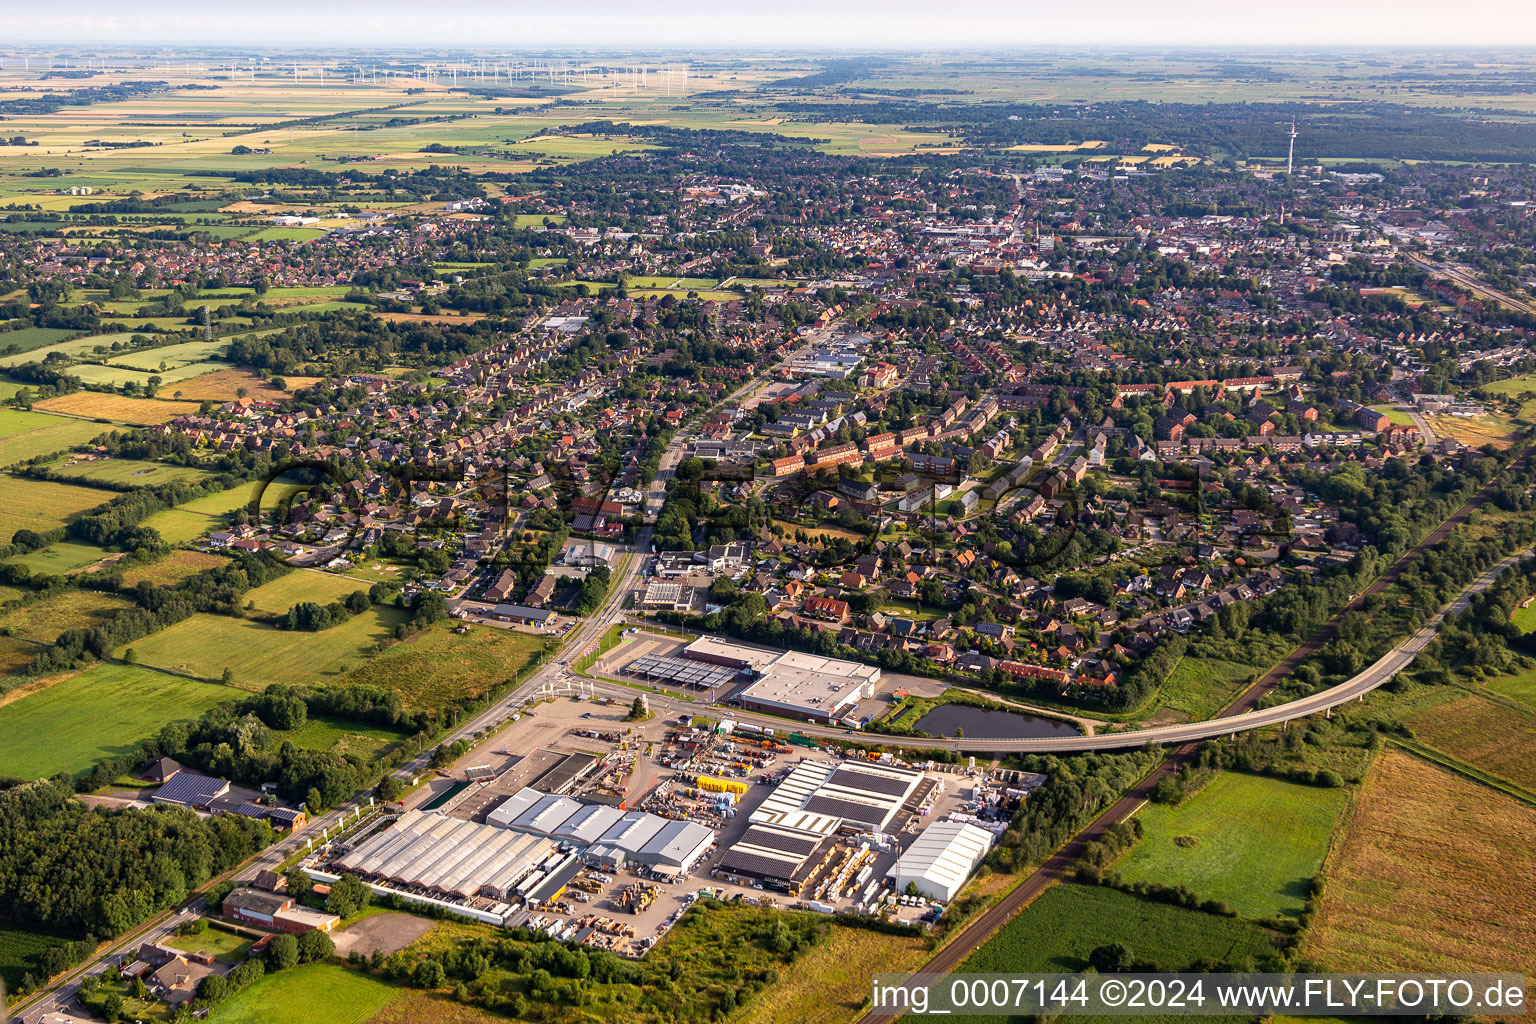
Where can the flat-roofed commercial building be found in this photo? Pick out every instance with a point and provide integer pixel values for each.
(717, 651)
(779, 856)
(810, 687)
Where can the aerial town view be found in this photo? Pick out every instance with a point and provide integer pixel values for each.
(619, 516)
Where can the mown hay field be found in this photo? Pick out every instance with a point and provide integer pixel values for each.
(1483, 734)
(43, 504)
(146, 412)
(26, 435)
(99, 713)
(300, 585)
(1433, 873)
(224, 386)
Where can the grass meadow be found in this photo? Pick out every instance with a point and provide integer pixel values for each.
(313, 993)
(44, 505)
(1061, 927)
(300, 585)
(1433, 872)
(437, 666)
(173, 568)
(99, 713)
(26, 435)
(1197, 688)
(129, 472)
(60, 558)
(42, 621)
(206, 644)
(1521, 686)
(186, 523)
(1253, 842)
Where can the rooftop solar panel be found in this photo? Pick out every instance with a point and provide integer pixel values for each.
(869, 783)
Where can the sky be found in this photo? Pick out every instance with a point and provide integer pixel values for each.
(863, 24)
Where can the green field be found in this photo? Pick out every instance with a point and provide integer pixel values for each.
(1521, 686)
(438, 667)
(26, 435)
(135, 472)
(1524, 618)
(58, 559)
(1250, 841)
(29, 338)
(1394, 415)
(370, 742)
(206, 644)
(170, 357)
(313, 993)
(20, 950)
(300, 585)
(1058, 931)
(44, 505)
(1200, 687)
(99, 713)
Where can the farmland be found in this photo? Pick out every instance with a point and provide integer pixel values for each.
(60, 558)
(1433, 873)
(171, 569)
(300, 585)
(1257, 842)
(438, 667)
(29, 338)
(1483, 734)
(1521, 686)
(44, 505)
(313, 993)
(119, 408)
(26, 435)
(224, 385)
(1066, 922)
(185, 523)
(205, 645)
(1197, 688)
(44, 620)
(99, 713)
(20, 949)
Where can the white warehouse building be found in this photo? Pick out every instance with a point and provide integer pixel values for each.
(941, 859)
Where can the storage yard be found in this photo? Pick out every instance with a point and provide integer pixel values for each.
(605, 831)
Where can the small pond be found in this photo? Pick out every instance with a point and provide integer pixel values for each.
(984, 723)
